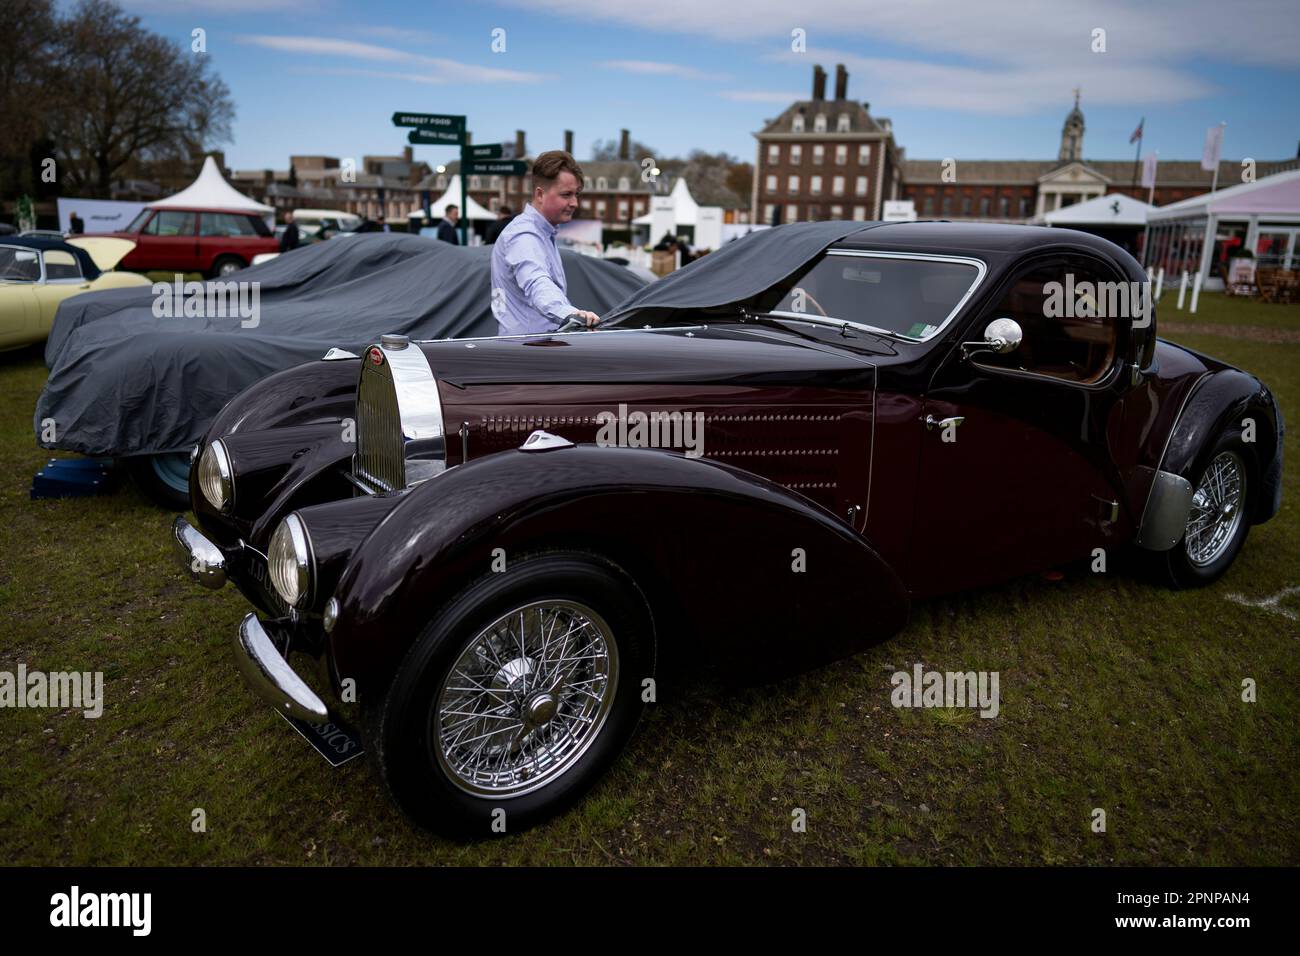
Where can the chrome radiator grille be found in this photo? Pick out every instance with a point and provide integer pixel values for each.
(380, 460)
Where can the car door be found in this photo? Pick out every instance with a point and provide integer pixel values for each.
(170, 241)
(20, 271)
(62, 278)
(1015, 470)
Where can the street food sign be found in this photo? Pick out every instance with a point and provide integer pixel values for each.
(439, 121)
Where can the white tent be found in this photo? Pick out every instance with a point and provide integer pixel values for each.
(1195, 234)
(211, 191)
(438, 208)
(685, 208)
(1113, 210)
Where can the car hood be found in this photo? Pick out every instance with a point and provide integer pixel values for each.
(105, 251)
(687, 354)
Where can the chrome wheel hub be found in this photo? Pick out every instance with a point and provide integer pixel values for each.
(525, 699)
(1216, 509)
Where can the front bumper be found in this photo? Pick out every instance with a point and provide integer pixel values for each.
(260, 661)
(270, 675)
(200, 558)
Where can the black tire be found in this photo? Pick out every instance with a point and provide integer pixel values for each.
(1175, 566)
(401, 726)
(157, 476)
(228, 263)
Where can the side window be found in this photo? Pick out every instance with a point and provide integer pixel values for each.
(225, 224)
(170, 223)
(1069, 312)
(61, 265)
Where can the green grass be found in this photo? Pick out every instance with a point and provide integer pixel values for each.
(1116, 694)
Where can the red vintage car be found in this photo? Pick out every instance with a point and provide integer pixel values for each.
(489, 546)
(215, 242)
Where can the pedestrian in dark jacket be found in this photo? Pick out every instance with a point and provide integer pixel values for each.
(447, 228)
(76, 225)
(504, 215)
(289, 238)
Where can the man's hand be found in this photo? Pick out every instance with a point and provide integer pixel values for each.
(590, 318)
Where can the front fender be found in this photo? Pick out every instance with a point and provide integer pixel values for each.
(735, 569)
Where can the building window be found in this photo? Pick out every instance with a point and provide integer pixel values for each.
(474, 183)
(771, 182)
(965, 205)
(842, 123)
(860, 213)
(792, 186)
(947, 206)
(774, 154)
(797, 124)
(496, 182)
(815, 185)
(624, 184)
(586, 183)
(841, 154)
(1024, 208)
(837, 212)
(984, 207)
(600, 209)
(860, 186)
(792, 213)
(819, 123)
(768, 212)
(622, 209)
(928, 206)
(837, 186)
(512, 185)
(796, 154)
(864, 154)
(813, 213)
(602, 184)
(819, 154)
(442, 182)
(638, 208)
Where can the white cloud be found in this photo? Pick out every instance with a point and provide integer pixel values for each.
(434, 69)
(651, 68)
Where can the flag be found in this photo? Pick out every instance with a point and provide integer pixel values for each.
(1149, 170)
(1137, 133)
(1213, 148)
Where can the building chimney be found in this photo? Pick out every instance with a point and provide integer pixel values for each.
(624, 145)
(819, 83)
(519, 144)
(841, 82)
(568, 141)
(408, 153)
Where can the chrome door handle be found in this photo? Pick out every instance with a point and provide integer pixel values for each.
(931, 422)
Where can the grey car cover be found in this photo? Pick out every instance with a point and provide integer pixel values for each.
(124, 381)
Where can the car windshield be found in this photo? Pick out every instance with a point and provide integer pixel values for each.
(19, 265)
(912, 298)
(138, 222)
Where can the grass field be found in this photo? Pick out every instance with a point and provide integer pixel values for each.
(1116, 694)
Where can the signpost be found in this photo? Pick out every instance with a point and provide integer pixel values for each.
(441, 129)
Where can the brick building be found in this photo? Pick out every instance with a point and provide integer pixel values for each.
(825, 159)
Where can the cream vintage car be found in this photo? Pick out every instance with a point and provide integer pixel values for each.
(39, 272)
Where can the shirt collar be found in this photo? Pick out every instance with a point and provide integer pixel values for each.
(542, 222)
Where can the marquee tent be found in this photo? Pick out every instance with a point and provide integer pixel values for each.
(211, 191)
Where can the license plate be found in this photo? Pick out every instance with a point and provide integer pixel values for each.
(333, 739)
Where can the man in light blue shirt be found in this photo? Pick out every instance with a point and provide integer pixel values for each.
(529, 292)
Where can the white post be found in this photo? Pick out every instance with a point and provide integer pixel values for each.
(1160, 282)
(1182, 290)
(1196, 292)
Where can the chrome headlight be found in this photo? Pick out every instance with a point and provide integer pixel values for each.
(216, 480)
(288, 561)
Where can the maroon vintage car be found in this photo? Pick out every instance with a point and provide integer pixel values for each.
(215, 242)
(488, 546)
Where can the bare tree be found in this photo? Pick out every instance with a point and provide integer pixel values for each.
(132, 94)
(28, 87)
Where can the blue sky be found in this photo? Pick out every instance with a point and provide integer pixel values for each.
(972, 80)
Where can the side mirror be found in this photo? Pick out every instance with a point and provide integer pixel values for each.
(1001, 336)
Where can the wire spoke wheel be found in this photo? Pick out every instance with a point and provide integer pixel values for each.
(525, 699)
(1217, 506)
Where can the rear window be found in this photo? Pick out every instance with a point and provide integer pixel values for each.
(226, 224)
(171, 223)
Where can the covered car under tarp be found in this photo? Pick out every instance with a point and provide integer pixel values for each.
(124, 381)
